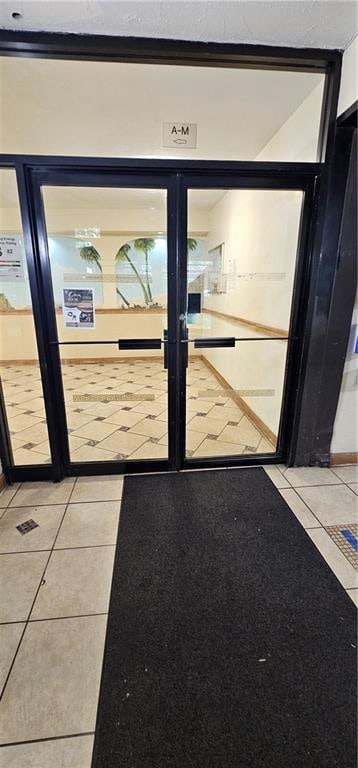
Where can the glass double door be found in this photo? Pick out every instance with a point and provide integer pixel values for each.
(169, 318)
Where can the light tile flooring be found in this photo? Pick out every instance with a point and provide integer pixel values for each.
(55, 591)
(130, 427)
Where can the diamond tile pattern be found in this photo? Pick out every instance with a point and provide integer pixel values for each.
(129, 427)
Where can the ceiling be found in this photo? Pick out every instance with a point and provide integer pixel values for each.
(298, 23)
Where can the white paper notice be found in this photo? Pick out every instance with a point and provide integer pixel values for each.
(78, 308)
(11, 258)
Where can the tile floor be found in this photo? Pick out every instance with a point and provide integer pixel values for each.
(56, 583)
(133, 426)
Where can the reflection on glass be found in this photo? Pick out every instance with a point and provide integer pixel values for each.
(19, 367)
(108, 256)
(242, 288)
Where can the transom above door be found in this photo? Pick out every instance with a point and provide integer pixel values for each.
(168, 311)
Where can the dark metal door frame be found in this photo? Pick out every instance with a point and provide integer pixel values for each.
(109, 178)
(283, 181)
(317, 232)
(177, 180)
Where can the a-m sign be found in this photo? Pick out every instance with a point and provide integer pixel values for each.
(179, 135)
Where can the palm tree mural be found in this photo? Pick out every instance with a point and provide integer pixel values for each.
(4, 302)
(123, 255)
(90, 254)
(192, 244)
(145, 245)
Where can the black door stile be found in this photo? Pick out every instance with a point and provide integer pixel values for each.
(33, 234)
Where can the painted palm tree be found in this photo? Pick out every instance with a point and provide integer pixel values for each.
(145, 245)
(192, 244)
(4, 302)
(123, 255)
(90, 254)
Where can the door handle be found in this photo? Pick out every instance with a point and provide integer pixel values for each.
(165, 340)
(139, 343)
(218, 341)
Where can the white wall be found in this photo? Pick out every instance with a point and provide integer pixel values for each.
(349, 81)
(259, 230)
(303, 124)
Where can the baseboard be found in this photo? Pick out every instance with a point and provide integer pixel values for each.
(251, 415)
(2, 481)
(343, 458)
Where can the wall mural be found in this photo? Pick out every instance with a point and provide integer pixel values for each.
(139, 276)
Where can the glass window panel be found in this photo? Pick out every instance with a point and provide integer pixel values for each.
(241, 288)
(108, 257)
(19, 364)
(120, 110)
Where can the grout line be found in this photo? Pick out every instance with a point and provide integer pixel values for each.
(25, 551)
(66, 618)
(57, 549)
(49, 738)
(39, 504)
(311, 510)
(61, 504)
(55, 618)
(317, 485)
(307, 505)
(35, 598)
(12, 497)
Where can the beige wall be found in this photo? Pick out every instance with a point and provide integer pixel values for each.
(303, 124)
(259, 230)
(349, 81)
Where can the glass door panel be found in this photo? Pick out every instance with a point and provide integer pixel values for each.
(239, 301)
(108, 257)
(21, 392)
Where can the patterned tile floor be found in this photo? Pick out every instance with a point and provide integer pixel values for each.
(131, 425)
(346, 538)
(55, 583)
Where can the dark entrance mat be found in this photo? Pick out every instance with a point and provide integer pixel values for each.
(230, 643)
